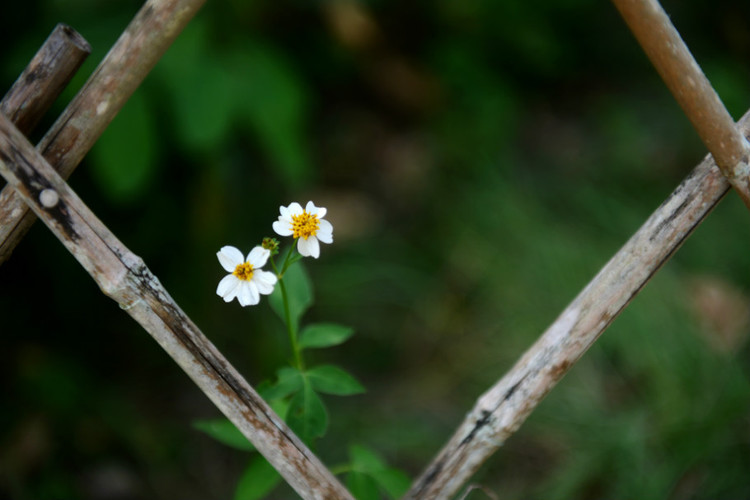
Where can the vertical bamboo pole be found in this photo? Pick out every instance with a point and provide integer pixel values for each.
(684, 78)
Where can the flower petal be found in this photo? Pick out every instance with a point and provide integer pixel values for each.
(283, 227)
(258, 257)
(229, 258)
(312, 209)
(248, 295)
(325, 231)
(294, 209)
(226, 285)
(265, 281)
(309, 247)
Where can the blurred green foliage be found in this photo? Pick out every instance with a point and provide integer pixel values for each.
(480, 161)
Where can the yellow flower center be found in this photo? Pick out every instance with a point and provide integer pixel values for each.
(305, 225)
(244, 271)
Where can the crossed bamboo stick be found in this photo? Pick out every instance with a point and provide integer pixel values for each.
(36, 183)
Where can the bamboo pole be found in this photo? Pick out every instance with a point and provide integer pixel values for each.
(124, 277)
(41, 82)
(505, 406)
(131, 58)
(684, 78)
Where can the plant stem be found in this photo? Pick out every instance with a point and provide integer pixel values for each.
(290, 327)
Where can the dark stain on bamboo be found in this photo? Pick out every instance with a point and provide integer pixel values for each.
(33, 183)
(667, 221)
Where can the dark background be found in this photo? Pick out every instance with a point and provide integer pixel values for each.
(480, 161)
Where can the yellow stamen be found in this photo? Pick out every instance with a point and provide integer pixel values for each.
(305, 225)
(244, 271)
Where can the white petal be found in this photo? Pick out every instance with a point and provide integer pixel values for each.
(229, 258)
(248, 295)
(230, 289)
(309, 247)
(265, 281)
(226, 285)
(243, 294)
(283, 227)
(319, 211)
(258, 257)
(325, 231)
(295, 209)
(284, 211)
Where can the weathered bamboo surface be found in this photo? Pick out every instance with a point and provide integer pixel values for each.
(131, 58)
(125, 278)
(45, 77)
(684, 78)
(504, 407)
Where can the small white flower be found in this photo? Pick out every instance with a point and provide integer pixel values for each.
(246, 281)
(307, 226)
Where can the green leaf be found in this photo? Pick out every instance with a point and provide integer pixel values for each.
(273, 104)
(330, 379)
(201, 88)
(258, 480)
(124, 157)
(280, 407)
(362, 486)
(299, 291)
(289, 381)
(364, 459)
(224, 431)
(324, 335)
(389, 479)
(394, 481)
(307, 415)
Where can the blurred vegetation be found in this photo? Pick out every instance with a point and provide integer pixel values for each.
(480, 162)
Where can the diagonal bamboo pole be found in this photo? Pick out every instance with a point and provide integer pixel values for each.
(124, 277)
(141, 45)
(684, 78)
(41, 82)
(504, 407)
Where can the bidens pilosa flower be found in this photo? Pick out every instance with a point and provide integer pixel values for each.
(246, 280)
(307, 226)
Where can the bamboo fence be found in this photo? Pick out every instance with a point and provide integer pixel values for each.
(36, 186)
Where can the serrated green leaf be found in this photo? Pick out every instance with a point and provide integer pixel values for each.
(201, 88)
(362, 486)
(124, 157)
(324, 335)
(364, 459)
(274, 104)
(280, 407)
(330, 379)
(224, 431)
(394, 481)
(307, 415)
(366, 462)
(289, 381)
(299, 292)
(258, 479)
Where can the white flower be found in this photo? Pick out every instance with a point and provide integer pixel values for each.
(307, 226)
(246, 281)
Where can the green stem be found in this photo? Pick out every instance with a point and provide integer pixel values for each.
(337, 470)
(291, 328)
